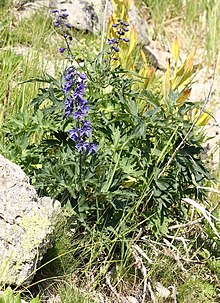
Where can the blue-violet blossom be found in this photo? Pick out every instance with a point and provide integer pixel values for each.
(121, 29)
(77, 106)
(74, 88)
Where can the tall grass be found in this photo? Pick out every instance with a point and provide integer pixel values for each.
(27, 51)
(199, 19)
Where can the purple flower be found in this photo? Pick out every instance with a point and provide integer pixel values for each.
(64, 15)
(67, 86)
(53, 11)
(81, 112)
(116, 49)
(79, 91)
(80, 100)
(56, 23)
(86, 128)
(126, 40)
(68, 110)
(81, 146)
(74, 134)
(91, 147)
(82, 76)
(68, 107)
(62, 49)
(110, 41)
(68, 77)
(121, 32)
(68, 25)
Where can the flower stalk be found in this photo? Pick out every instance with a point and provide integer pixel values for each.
(76, 106)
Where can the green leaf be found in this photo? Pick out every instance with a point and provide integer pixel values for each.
(35, 300)
(40, 98)
(17, 298)
(9, 295)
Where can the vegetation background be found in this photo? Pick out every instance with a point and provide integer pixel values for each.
(143, 232)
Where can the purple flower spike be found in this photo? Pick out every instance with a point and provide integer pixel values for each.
(76, 106)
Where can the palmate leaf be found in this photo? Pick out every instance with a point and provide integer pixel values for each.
(8, 296)
(41, 97)
(46, 79)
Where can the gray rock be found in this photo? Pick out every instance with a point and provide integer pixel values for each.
(26, 225)
(91, 15)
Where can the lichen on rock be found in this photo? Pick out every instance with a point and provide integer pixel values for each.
(26, 226)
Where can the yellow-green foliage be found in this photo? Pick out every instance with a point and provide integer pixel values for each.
(178, 79)
(8, 296)
(131, 57)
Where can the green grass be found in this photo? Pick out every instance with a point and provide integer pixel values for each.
(5, 4)
(27, 51)
(72, 294)
(81, 259)
(198, 20)
(29, 48)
